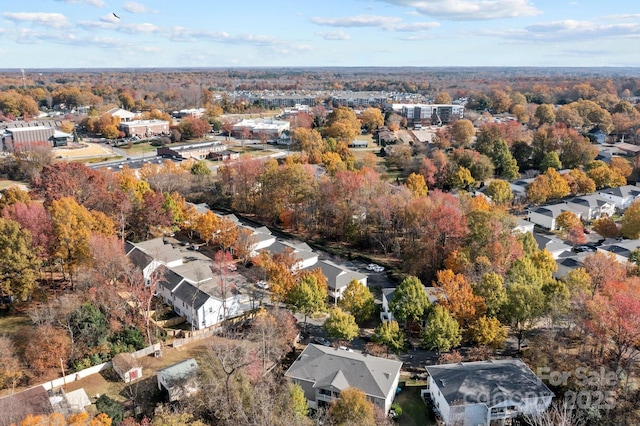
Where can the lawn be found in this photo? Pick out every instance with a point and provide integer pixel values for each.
(414, 410)
(4, 183)
(11, 324)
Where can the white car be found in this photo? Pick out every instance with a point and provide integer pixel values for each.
(263, 285)
(378, 268)
(371, 266)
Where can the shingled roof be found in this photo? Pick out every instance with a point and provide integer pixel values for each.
(339, 369)
(488, 382)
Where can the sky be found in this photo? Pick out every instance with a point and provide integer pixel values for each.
(298, 33)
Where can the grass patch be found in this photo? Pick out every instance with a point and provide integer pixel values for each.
(5, 183)
(138, 148)
(414, 411)
(11, 324)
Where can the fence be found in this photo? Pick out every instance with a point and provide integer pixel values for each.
(96, 369)
(194, 336)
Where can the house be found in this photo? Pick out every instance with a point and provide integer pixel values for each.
(301, 251)
(127, 367)
(597, 135)
(620, 249)
(523, 226)
(592, 206)
(268, 128)
(259, 239)
(433, 293)
(149, 255)
(553, 245)
(621, 196)
(338, 277)
(519, 188)
(14, 408)
(179, 379)
(568, 261)
(323, 372)
(545, 216)
(478, 393)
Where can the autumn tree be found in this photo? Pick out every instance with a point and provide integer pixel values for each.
(442, 98)
(567, 220)
(358, 301)
(442, 332)
(410, 301)
(193, 128)
(18, 262)
(341, 325)
(12, 195)
(458, 297)
(579, 182)
(545, 114)
(499, 191)
(274, 332)
(310, 142)
(11, 369)
(45, 347)
(491, 289)
(462, 132)
(352, 408)
(630, 222)
(547, 186)
(307, 296)
(488, 331)
(417, 185)
(372, 118)
(388, 333)
(342, 124)
(604, 176)
(606, 227)
(525, 304)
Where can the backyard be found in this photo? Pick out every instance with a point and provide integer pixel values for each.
(414, 411)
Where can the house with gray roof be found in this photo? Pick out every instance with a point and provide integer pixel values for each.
(323, 372)
(545, 216)
(179, 379)
(479, 393)
(151, 254)
(553, 245)
(620, 249)
(338, 277)
(301, 251)
(15, 407)
(621, 196)
(592, 206)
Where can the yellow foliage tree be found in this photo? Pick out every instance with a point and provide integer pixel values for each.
(417, 185)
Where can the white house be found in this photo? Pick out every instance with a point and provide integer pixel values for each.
(323, 372)
(477, 393)
(620, 249)
(622, 196)
(523, 226)
(149, 255)
(338, 277)
(592, 206)
(303, 253)
(545, 216)
(554, 246)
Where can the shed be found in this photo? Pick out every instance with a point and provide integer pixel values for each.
(127, 367)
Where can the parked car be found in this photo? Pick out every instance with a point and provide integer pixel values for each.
(321, 341)
(263, 285)
(193, 247)
(583, 249)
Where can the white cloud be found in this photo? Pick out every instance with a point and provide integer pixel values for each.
(470, 10)
(96, 3)
(356, 21)
(110, 19)
(566, 31)
(51, 20)
(135, 7)
(384, 22)
(334, 35)
(144, 28)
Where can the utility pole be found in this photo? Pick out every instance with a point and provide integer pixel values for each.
(24, 81)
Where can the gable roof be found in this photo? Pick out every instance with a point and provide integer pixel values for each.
(488, 382)
(433, 293)
(140, 258)
(340, 369)
(169, 279)
(179, 371)
(124, 362)
(337, 276)
(14, 408)
(622, 191)
(192, 295)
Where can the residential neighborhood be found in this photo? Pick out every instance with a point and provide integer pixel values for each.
(348, 246)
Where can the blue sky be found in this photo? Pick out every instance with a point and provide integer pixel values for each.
(279, 33)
